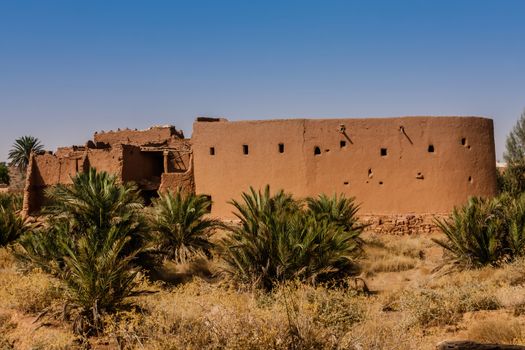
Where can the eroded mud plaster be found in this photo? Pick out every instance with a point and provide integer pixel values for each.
(405, 165)
(393, 166)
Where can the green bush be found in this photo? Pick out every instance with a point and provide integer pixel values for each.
(277, 241)
(11, 201)
(180, 229)
(12, 225)
(474, 234)
(90, 241)
(485, 231)
(338, 210)
(4, 174)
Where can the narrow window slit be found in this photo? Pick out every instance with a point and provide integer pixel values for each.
(245, 149)
(281, 148)
(430, 148)
(212, 151)
(317, 151)
(384, 152)
(342, 144)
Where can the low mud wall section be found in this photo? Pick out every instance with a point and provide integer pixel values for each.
(408, 224)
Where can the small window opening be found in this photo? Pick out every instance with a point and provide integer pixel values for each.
(380, 182)
(470, 179)
(281, 148)
(463, 141)
(327, 150)
(430, 148)
(212, 151)
(245, 149)
(468, 147)
(370, 174)
(346, 183)
(342, 143)
(383, 152)
(317, 151)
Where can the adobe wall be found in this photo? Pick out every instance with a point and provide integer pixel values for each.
(428, 165)
(49, 169)
(138, 156)
(153, 135)
(172, 181)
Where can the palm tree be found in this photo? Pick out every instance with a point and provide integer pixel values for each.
(22, 149)
(340, 210)
(90, 242)
(475, 233)
(180, 229)
(278, 241)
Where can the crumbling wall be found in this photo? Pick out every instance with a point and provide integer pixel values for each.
(153, 135)
(409, 165)
(398, 224)
(49, 169)
(185, 180)
(139, 165)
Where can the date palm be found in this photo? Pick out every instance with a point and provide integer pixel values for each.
(90, 242)
(475, 234)
(277, 241)
(180, 228)
(22, 149)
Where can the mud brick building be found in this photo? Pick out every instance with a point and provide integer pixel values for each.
(393, 166)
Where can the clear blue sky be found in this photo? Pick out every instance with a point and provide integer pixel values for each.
(68, 68)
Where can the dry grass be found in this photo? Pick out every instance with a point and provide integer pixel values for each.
(392, 255)
(202, 316)
(30, 293)
(486, 305)
(497, 331)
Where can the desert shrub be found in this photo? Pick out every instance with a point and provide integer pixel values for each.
(29, 293)
(90, 242)
(445, 305)
(496, 331)
(180, 229)
(293, 316)
(474, 234)
(278, 241)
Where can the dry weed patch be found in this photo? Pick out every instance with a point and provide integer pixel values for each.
(30, 293)
(444, 306)
(202, 316)
(497, 330)
(392, 255)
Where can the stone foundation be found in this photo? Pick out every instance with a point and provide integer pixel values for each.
(401, 224)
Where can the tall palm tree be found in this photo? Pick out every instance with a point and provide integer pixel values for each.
(21, 150)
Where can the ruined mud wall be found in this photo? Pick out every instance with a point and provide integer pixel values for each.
(139, 165)
(172, 181)
(49, 169)
(153, 135)
(409, 165)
